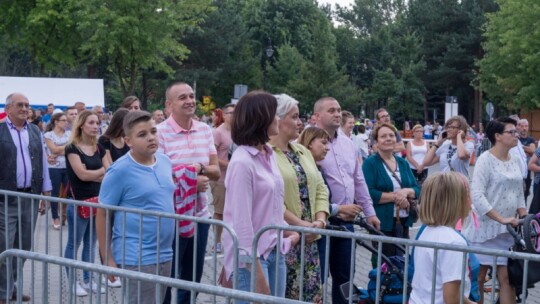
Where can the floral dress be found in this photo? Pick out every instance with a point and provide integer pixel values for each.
(312, 290)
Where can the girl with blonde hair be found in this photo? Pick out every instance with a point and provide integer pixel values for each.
(443, 201)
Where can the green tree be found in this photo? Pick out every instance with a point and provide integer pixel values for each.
(509, 69)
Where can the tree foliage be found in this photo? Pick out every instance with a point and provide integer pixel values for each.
(509, 69)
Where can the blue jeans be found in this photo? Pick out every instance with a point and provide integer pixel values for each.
(58, 177)
(79, 230)
(340, 264)
(184, 255)
(269, 271)
(321, 245)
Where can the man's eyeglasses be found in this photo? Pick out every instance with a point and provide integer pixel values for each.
(452, 127)
(385, 116)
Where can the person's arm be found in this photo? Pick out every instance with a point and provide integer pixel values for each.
(399, 147)
(450, 290)
(462, 152)
(533, 163)
(56, 150)
(106, 160)
(80, 169)
(46, 187)
(431, 158)
(529, 149)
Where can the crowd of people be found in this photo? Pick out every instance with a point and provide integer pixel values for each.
(263, 167)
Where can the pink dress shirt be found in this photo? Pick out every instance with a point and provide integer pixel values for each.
(254, 199)
(344, 175)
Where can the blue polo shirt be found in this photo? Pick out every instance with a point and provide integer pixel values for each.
(132, 185)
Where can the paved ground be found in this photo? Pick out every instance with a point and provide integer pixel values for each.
(52, 287)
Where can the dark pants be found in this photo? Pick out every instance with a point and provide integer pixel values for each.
(340, 263)
(420, 178)
(389, 249)
(19, 239)
(527, 181)
(58, 177)
(321, 245)
(183, 253)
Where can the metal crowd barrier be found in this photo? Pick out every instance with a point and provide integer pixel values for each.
(408, 244)
(52, 261)
(46, 260)
(55, 242)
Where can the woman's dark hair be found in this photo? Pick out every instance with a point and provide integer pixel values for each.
(54, 119)
(497, 126)
(126, 103)
(116, 127)
(252, 116)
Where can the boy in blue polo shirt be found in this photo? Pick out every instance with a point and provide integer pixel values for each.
(141, 179)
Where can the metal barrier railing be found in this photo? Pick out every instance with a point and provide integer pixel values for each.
(138, 276)
(25, 202)
(48, 254)
(408, 244)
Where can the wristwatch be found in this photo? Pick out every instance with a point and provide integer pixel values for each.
(202, 171)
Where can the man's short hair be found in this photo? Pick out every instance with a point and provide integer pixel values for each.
(51, 104)
(134, 117)
(523, 120)
(378, 112)
(71, 108)
(172, 84)
(229, 105)
(319, 103)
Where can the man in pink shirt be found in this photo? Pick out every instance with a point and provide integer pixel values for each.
(348, 188)
(187, 141)
(223, 141)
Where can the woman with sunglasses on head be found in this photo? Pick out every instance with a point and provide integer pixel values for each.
(497, 196)
(452, 151)
(56, 138)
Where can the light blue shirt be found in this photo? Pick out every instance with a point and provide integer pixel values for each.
(132, 185)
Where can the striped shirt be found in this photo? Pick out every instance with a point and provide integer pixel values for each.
(188, 147)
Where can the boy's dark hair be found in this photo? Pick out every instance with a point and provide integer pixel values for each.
(134, 117)
(253, 114)
(497, 126)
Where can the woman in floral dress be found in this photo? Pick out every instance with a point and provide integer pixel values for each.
(306, 201)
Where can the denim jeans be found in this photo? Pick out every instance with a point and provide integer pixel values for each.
(80, 230)
(58, 177)
(184, 255)
(340, 264)
(321, 245)
(269, 271)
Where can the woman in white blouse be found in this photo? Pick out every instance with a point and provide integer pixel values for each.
(416, 152)
(497, 196)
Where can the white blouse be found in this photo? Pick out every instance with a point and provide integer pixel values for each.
(496, 185)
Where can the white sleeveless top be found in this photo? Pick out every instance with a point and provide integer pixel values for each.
(418, 153)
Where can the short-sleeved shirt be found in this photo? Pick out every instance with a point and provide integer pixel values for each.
(58, 141)
(81, 189)
(455, 164)
(151, 188)
(192, 146)
(448, 268)
(223, 142)
(113, 150)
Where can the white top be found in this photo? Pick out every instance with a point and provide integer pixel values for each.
(519, 153)
(361, 143)
(397, 187)
(496, 185)
(449, 265)
(455, 164)
(418, 153)
(58, 141)
(428, 129)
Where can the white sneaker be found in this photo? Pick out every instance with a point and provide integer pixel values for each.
(94, 287)
(79, 290)
(116, 284)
